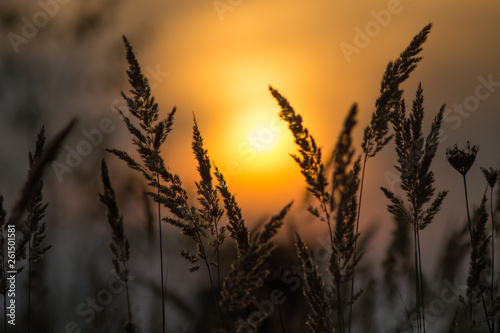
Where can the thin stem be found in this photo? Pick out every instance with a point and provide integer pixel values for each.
(406, 310)
(417, 285)
(492, 253)
(204, 254)
(356, 240)
(127, 293)
(421, 283)
(486, 314)
(29, 287)
(467, 206)
(281, 319)
(218, 253)
(327, 214)
(324, 206)
(161, 261)
(339, 310)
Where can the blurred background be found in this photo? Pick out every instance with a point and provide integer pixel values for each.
(64, 59)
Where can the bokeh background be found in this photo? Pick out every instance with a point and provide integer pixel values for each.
(216, 59)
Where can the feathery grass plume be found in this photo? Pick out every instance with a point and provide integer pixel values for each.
(119, 245)
(36, 173)
(376, 134)
(476, 283)
(415, 154)
(201, 225)
(248, 273)
(208, 197)
(30, 199)
(318, 296)
(196, 223)
(309, 161)
(31, 245)
(148, 138)
(33, 232)
(236, 224)
(492, 176)
(340, 200)
(345, 185)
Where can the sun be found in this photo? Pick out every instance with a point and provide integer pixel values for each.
(260, 139)
(264, 139)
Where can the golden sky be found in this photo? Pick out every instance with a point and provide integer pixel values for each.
(323, 56)
(217, 58)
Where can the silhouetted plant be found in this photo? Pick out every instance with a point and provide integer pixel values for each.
(318, 296)
(119, 246)
(476, 283)
(148, 138)
(415, 154)
(376, 134)
(339, 203)
(492, 176)
(462, 160)
(31, 246)
(30, 201)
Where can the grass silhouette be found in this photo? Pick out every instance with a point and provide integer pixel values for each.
(238, 262)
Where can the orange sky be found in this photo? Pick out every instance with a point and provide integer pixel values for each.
(220, 69)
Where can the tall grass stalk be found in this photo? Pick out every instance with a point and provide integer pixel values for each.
(119, 246)
(415, 154)
(462, 160)
(148, 138)
(492, 176)
(476, 285)
(376, 134)
(339, 202)
(33, 232)
(30, 200)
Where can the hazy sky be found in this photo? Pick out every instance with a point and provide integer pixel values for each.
(324, 56)
(217, 58)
